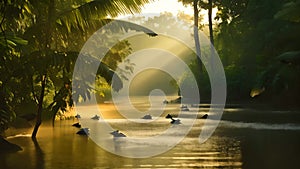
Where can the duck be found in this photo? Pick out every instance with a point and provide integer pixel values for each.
(169, 116)
(83, 131)
(78, 125)
(204, 116)
(96, 117)
(184, 108)
(174, 121)
(78, 116)
(165, 102)
(117, 133)
(147, 116)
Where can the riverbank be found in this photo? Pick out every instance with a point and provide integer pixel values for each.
(7, 147)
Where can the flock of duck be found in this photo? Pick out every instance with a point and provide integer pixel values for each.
(117, 133)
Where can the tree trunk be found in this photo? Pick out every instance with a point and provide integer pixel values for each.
(211, 35)
(40, 108)
(53, 118)
(196, 34)
(210, 24)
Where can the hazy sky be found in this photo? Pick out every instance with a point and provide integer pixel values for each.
(173, 6)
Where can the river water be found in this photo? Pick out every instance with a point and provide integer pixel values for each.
(244, 138)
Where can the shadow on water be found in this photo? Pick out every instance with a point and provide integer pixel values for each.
(32, 156)
(271, 149)
(40, 159)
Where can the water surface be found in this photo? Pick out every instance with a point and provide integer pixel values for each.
(245, 138)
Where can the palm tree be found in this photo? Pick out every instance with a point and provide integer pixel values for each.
(210, 24)
(52, 22)
(195, 4)
(205, 5)
(196, 34)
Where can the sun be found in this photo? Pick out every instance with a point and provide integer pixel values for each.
(172, 6)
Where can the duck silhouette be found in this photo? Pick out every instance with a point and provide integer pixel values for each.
(117, 133)
(165, 102)
(78, 116)
(78, 125)
(83, 131)
(174, 121)
(147, 116)
(96, 117)
(204, 116)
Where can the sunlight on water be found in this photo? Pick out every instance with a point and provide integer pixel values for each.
(19, 135)
(233, 145)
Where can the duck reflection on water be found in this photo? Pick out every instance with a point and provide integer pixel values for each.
(83, 131)
(78, 125)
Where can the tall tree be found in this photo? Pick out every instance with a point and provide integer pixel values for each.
(10, 44)
(196, 34)
(210, 22)
(49, 27)
(195, 4)
(74, 18)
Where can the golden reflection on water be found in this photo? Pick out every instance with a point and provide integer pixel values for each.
(60, 147)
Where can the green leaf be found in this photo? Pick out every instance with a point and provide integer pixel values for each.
(291, 57)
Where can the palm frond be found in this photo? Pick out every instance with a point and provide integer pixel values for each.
(110, 76)
(289, 11)
(80, 16)
(104, 8)
(95, 24)
(125, 25)
(291, 57)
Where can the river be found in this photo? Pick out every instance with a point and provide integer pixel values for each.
(244, 138)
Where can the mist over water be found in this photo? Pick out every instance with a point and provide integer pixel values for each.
(260, 126)
(235, 144)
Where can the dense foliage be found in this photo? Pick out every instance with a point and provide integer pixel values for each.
(258, 42)
(39, 44)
